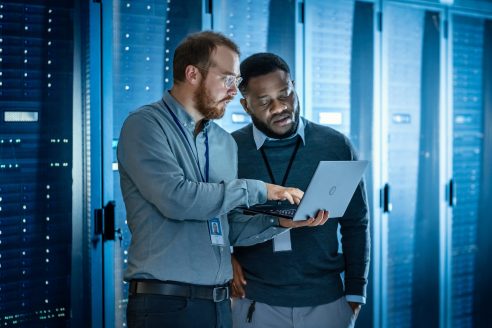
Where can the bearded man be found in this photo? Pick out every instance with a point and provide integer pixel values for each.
(178, 172)
(294, 279)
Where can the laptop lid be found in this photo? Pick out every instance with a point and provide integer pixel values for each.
(331, 188)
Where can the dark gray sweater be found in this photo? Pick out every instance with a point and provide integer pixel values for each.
(308, 275)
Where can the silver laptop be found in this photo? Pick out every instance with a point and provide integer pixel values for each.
(331, 188)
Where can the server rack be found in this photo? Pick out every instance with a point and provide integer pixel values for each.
(36, 163)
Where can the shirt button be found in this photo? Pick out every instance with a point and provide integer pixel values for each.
(274, 228)
(257, 237)
(272, 220)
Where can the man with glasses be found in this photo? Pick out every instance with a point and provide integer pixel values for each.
(294, 280)
(178, 172)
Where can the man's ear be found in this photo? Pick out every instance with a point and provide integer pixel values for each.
(192, 74)
(245, 105)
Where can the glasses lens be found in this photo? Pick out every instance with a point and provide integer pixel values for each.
(231, 80)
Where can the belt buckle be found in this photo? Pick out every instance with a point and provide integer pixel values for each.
(217, 291)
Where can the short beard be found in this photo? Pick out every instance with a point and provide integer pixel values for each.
(206, 105)
(263, 127)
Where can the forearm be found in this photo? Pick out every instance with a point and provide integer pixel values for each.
(190, 200)
(247, 230)
(356, 250)
(356, 244)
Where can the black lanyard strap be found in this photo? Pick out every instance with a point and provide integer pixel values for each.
(291, 161)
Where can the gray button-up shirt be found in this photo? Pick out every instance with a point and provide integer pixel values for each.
(168, 204)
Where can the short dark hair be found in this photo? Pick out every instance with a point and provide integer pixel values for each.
(260, 64)
(196, 49)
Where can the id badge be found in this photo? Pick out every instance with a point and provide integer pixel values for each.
(215, 231)
(282, 243)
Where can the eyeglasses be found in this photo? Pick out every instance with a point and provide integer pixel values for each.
(229, 80)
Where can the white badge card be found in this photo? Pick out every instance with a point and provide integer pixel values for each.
(215, 230)
(282, 243)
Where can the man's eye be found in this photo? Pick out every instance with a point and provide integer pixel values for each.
(285, 94)
(263, 103)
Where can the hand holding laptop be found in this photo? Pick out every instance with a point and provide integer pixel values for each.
(319, 220)
(275, 192)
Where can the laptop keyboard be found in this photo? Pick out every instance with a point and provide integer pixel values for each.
(287, 212)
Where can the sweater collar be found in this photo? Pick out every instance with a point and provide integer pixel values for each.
(260, 137)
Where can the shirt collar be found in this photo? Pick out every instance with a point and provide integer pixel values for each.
(184, 118)
(260, 137)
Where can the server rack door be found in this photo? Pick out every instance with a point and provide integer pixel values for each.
(255, 26)
(338, 90)
(471, 143)
(410, 88)
(484, 224)
(143, 37)
(36, 104)
(328, 39)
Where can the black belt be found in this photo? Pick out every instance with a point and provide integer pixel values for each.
(217, 293)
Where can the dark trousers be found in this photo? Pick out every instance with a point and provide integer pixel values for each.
(161, 311)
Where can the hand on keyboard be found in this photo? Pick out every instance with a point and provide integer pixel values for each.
(292, 195)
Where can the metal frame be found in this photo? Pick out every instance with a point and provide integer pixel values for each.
(383, 139)
(106, 115)
(445, 173)
(300, 48)
(207, 16)
(378, 219)
(93, 169)
(79, 258)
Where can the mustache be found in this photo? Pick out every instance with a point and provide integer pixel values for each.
(228, 98)
(281, 115)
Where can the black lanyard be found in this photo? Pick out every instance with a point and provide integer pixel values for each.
(292, 157)
(179, 124)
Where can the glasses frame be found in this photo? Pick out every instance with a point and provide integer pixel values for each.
(229, 79)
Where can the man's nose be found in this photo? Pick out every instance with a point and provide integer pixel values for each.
(232, 91)
(278, 106)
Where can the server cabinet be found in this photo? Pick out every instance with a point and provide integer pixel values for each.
(256, 26)
(338, 91)
(469, 193)
(328, 37)
(39, 277)
(411, 161)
